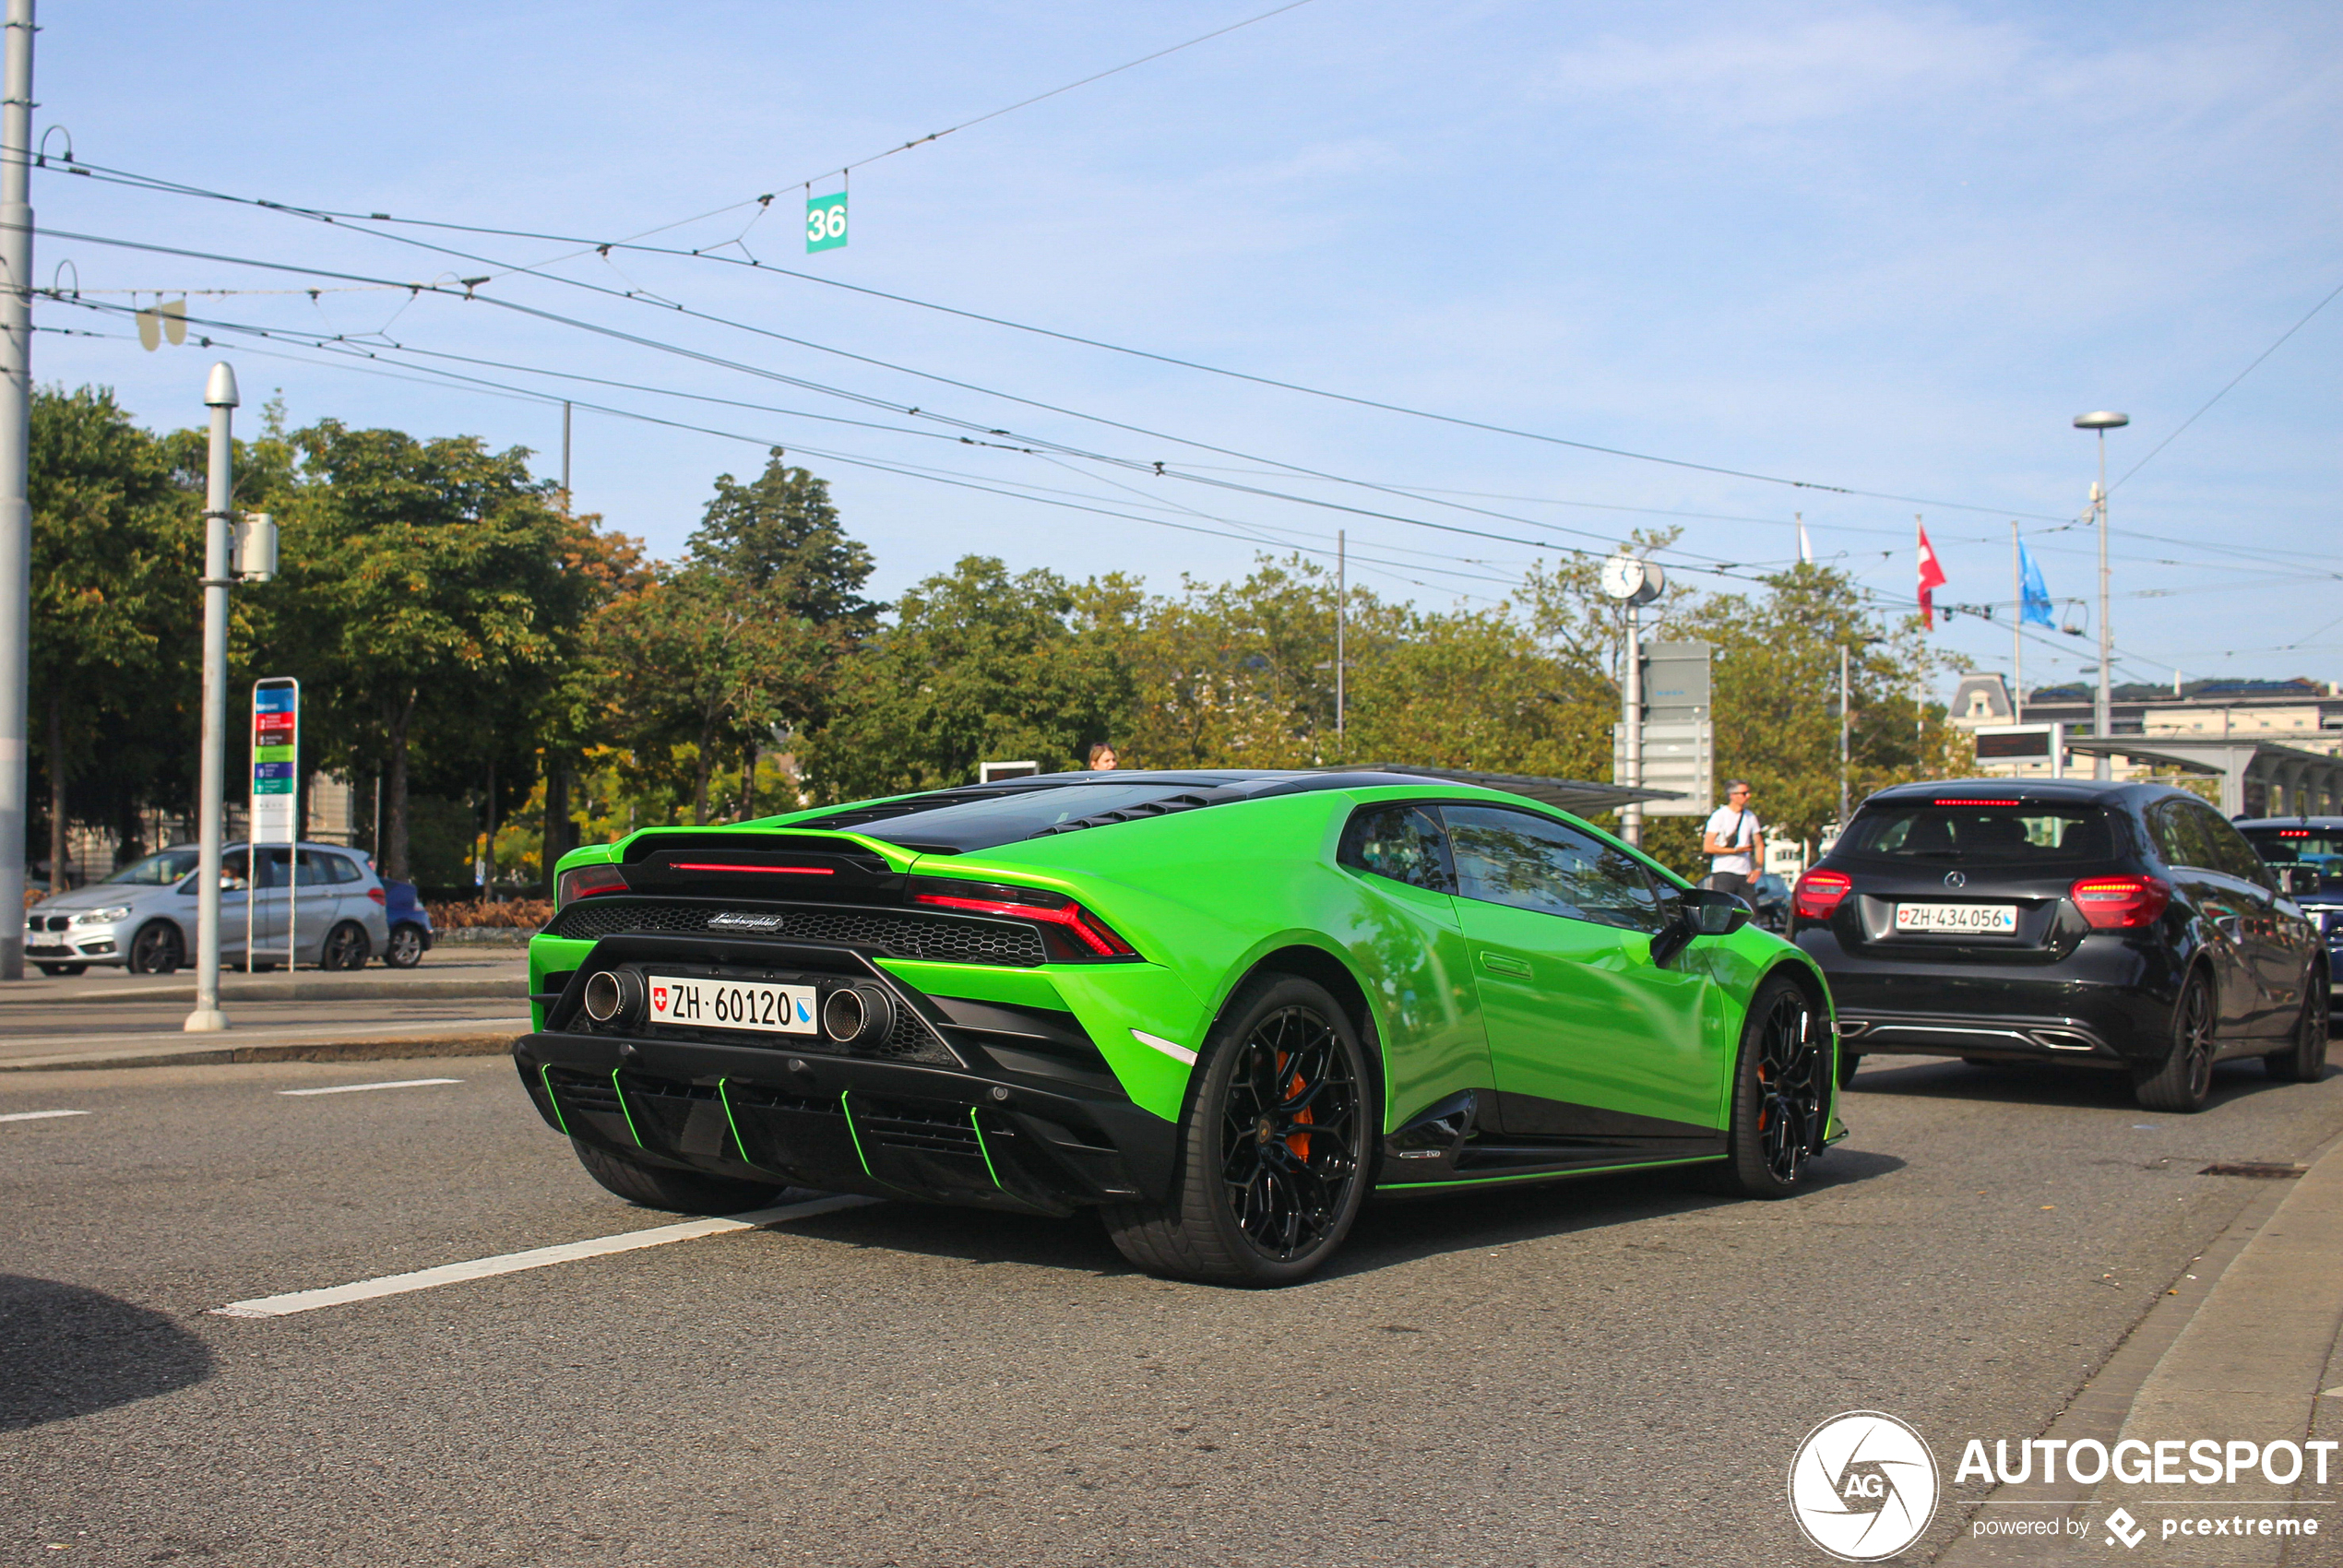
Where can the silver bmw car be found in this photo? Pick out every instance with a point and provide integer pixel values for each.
(323, 908)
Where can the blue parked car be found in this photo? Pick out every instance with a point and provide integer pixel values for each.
(409, 926)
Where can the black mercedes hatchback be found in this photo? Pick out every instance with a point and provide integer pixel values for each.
(2126, 926)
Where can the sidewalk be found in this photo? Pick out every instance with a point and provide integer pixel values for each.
(362, 1041)
(2244, 1348)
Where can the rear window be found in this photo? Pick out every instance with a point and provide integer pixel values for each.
(2028, 834)
(966, 825)
(2319, 847)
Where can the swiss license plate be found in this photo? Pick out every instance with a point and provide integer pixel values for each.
(733, 1005)
(1957, 919)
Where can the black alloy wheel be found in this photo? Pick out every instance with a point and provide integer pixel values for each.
(2179, 1084)
(2304, 1060)
(1781, 1094)
(158, 949)
(406, 949)
(1275, 1149)
(345, 947)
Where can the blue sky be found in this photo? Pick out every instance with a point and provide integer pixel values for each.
(1888, 248)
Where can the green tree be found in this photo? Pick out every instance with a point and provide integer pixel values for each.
(115, 555)
(978, 664)
(426, 588)
(736, 644)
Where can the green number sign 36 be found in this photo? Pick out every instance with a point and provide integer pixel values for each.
(826, 222)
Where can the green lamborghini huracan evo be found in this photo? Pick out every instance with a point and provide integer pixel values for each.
(1221, 1008)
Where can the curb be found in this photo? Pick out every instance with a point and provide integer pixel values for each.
(410, 1046)
(2238, 1346)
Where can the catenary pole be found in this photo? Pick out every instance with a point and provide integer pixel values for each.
(1341, 592)
(16, 454)
(1843, 746)
(220, 396)
(2017, 631)
(565, 506)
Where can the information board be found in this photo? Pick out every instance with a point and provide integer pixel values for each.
(275, 758)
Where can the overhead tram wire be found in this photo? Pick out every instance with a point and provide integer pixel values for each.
(357, 223)
(2266, 353)
(467, 295)
(451, 380)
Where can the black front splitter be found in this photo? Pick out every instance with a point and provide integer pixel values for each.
(846, 1124)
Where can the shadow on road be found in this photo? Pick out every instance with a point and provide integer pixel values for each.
(66, 1352)
(1388, 1232)
(1945, 1078)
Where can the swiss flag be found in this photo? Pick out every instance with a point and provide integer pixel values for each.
(1931, 577)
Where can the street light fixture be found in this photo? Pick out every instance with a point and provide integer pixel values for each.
(2103, 766)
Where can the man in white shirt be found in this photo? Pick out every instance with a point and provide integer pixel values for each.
(1734, 840)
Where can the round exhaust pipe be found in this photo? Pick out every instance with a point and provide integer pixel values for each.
(612, 995)
(861, 1015)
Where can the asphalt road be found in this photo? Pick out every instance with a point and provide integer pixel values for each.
(1612, 1371)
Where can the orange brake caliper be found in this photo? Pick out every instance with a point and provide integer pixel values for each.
(1298, 1141)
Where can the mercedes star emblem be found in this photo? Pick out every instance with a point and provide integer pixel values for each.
(1956, 879)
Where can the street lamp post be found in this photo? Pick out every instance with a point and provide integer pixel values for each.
(220, 396)
(2103, 765)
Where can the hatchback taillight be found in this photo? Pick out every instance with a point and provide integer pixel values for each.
(1819, 894)
(586, 882)
(2121, 903)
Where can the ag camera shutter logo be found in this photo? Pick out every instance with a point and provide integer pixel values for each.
(1863, 1486)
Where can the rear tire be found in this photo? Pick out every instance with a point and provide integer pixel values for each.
(2179, 1084)
(158, 949)
(683, 1192)
(2304, 1061)
(1781, 1095)
(406, 949)
(1276, 1149)
(345, 947)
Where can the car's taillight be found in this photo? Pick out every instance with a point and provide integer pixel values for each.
(2121, 903)
(1092, 937)
(1819, 894)
(586, 882)
(378, 895)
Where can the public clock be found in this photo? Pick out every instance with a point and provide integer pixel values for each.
(1634, 580)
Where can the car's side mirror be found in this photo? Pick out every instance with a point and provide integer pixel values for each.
(1700, 911)
(2298, 879)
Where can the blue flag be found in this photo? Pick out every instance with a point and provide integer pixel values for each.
(2036, 610)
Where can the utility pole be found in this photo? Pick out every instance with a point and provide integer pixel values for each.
(2017, 631)
(15, 455)
(1341, 593)
(220, 396)
(2103, 765)
(1844, 748)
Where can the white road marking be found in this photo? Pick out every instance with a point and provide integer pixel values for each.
(39, 1115)
(1178, 1053)
(540, 1257)
(353, 1089)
